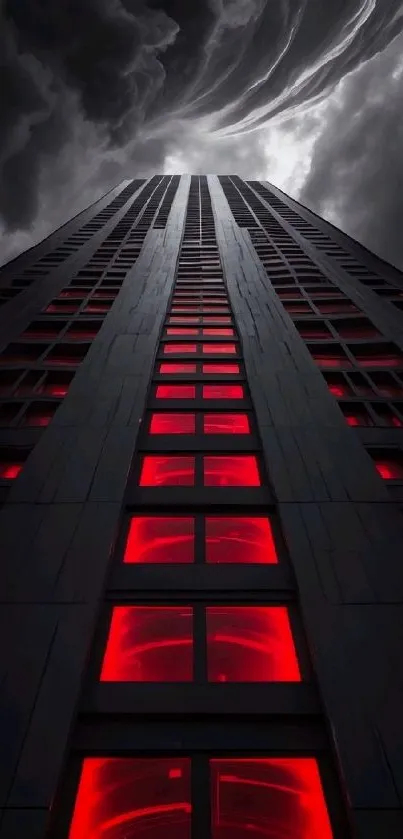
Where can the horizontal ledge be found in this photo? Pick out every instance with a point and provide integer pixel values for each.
(202, 579)
(210, 497)
(214, 699)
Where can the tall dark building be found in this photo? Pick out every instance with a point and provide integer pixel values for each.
(201, 489)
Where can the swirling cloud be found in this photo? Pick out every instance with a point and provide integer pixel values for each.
(94, 86)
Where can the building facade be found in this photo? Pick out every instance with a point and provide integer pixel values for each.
(201, 532)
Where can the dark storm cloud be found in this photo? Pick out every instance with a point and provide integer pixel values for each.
(93, 88)
(356, 176)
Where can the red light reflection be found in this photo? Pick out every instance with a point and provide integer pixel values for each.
(337, 390)
(173, 424)
(238, 539)
(380, 360)
(159, 539)
(10, 471)
(179, 349)
(183, 319)
(167, 470)
(175, 392)
(167, 368)
(219, 349)
(223, 392)
(215, 332)
(149, 644)
(132, 797)
(177, 330)
(221, 369)
(226, 424)
(275, 798)
(389, 470)
(331, 361)
(250, 644)
(231, 470)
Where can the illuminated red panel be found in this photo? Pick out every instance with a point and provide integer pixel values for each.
(98, 308)
(61, 307)
(221, 369)
(179, 349)
(74, 293)
(167, 470)
(240, 540)
(183, 319)
(132, 798)
(177, 330)
(231, 470)
(380, 360)
(389, 469)
(216, 332)
(10, 471)
(339, 360)
(274, 798)
(37, 417)
(219, 349)
(173, 424)
(220, 319)
(223, 392)
(53, 390)
(250, 644)
(226, 424)
(149, 644)
(338, 390)
(356, 416)
(167, 368)
(175, 392)
(159, 539)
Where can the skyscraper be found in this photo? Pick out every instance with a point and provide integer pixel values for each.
(201, 478)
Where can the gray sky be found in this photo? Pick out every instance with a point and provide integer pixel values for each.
(305, 93)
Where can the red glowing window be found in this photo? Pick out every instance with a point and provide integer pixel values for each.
(159, 539)
(355, 415)
(223, 392)
(337, 390)
(386, 415)
(132, 797)
(179, 349)
(231, 470)
(237, 539)
(39, 415)
(221, 369)
(219, 349)
(250, 644)
(170, 369)
(173, 424)
(216, 332)
(389, 466)
(330, 360)
(226, 424)
(216, 310)
(61, 307)
(149, 644)
(379, 359)
(183, 319)
(167, 470)
(222, 319)
(53, 389)
(10, 471)
(175, 392)
(177, 330)
(97, 308)
(275, 798)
